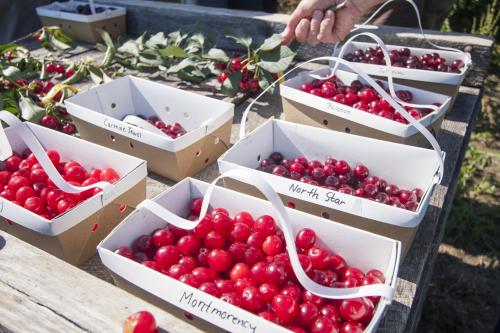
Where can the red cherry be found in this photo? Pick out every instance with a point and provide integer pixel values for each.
(253, 255)
(162, 237)
(125, 251)
(219, 260)
(354, 309)
(222, 223)
(266, 225)
(293, 291)
(214, 240)
(240, 232)
(141, 322)
(204, 274)
(252, 300)
(189, 263)
(319, 257)
(190, 279)
(352, 327)
(244, 217)
(308, 313)
(331, 312)
(225, 286)
(24, 193)
(276, 273)
(49, 121)
(232, 298)
(109, 175)
(307, 296)
(188, 245)
(258, 272)
(204, 227)
(323, 325)
(285, 308)
(235, 65)
(239, 271)
(64, 205)
(35, 205)
(267, 315)
(166, 256)
(305, 238)
(176, 271)
(210, 288)
(222, 77)
(195, 206)
(272, 245)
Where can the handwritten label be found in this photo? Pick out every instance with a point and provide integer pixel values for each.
(207, 307)
(122, 127)
(394, 71)
(313, 193)
(336, 107)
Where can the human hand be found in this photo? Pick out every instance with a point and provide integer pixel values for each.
(312, 24)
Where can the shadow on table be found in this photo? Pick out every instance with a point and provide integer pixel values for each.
(2, 242)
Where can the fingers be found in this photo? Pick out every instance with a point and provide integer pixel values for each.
(326, 28)
(314, 27)
(289, 33)
(302, 30)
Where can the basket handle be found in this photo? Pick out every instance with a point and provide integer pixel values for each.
(380, 289)
(421, 128)
(31, 141)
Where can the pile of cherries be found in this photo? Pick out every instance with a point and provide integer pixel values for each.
(404, 58)
(364, 98)
(174, 131)
(59, 118)
(338, 175)
(25, 183)
(243, 261)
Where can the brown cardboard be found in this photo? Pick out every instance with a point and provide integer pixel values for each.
(158, 302)
(79, 243)
(86, 31)
(404, 235)
(173, 165)
(303, 114)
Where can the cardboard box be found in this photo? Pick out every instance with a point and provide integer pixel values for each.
(438, 82)
(360, 248)
(98, 115)
(304, 108)
(74, 235)
(407, 166)
(83, 27)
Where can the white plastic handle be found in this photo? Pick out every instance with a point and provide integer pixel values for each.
(421, 128)
(417, 12)
(380, 289)
(29, 138)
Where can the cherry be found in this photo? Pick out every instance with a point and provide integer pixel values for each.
(239, 271)
(204, 274)
(222, 223)
(240, 232)
(109, 175)
(162, 237)
(298, 168)
(331, 312)
(319, 257)
(308, 313)
(222, 77)
(305, 238)
(219, 260)
(276, 273)
(267, 315)
(49, 121)
(323, 325)
(125, 251)
(190, 280)
(140, 322)
(176, 271)
(210, 288)
(341, 167)
(405, 196)
(166, 256)
(268, 291)
(237, 250)
(35, 205)
(354, 309)
(188, 245)
(253, 255)
(235, 65)
(352, 327)
(188, 262)
(272, 245)
(252, 300)
(266, 225)
(214, 240)
(225, 286)
(232, 298)
(285, 307)
(306, 87)
(258, 272)
(244, 217)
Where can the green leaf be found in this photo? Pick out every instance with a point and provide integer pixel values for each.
(239, 39)
(213, 69)
(29, 110)
(56, 43)
(198, 38)
(106, 38)
(7, 47)
(173, 51)
(177, 37)
(12, 73)
(182, 65)
(271, 43)
(191, 74)
(95, 75)
(265, 80)
(130, 47)
(8, 102)
(217, 55)
(231, 85)
(277, 60)
(157, 41)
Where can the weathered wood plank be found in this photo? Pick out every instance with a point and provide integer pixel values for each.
(41, 293)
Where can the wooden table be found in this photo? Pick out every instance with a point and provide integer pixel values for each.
(41, 293)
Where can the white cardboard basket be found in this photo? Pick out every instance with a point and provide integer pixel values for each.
(447, 78)
(53, 10)
(290, 89)
(360, 248)
(407, 166)
(99, 114)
